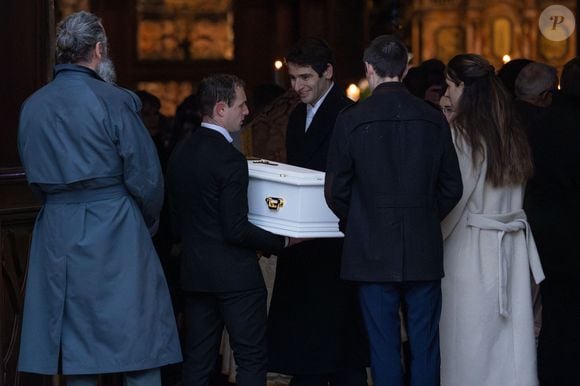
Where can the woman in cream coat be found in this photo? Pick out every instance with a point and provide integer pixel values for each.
(486, 328)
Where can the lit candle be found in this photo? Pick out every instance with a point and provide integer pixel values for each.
(506, 58)
(277, 67)
(353, 92)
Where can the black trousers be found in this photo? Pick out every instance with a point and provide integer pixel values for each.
(244, 315)
(559, 342)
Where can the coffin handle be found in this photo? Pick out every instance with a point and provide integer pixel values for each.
(274, 203)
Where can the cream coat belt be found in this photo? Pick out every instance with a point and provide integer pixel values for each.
(508, 223)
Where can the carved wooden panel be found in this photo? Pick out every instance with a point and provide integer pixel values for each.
(185, 30)
(490, 28)
(15, 234)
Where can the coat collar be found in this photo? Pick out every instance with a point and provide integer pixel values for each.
(219, 129)
(75, 68)
(387, 87)
(211, 133)
(333, 95)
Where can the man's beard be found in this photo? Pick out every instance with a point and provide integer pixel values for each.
(106, 70)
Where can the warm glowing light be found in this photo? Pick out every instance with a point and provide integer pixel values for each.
(506, 58)
(363, 84)
(353, 92)
(278, 64)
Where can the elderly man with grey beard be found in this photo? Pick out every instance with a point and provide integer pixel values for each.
(96, 298)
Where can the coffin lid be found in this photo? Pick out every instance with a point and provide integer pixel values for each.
(284, 173)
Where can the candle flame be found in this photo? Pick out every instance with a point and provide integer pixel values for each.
(353, 92)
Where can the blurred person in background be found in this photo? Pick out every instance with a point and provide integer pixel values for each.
(553, 207)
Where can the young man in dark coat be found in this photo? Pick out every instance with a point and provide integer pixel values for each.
(208, 184)
(392, 176)
(315, 329)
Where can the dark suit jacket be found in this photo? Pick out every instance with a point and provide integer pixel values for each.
(314, 325)
(392, 176)
(208, 183)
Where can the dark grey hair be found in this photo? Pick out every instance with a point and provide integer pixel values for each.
(76, 37)
(536, 79)
(217, 88)
(388, 56)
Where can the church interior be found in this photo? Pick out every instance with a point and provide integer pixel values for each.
(166, 47)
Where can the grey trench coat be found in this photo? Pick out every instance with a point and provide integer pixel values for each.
(95, 290)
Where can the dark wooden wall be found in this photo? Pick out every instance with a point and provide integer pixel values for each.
(263, 31)
(25, 30)
(26, 64)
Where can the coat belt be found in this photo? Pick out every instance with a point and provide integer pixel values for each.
(87, 195)
(508, 223)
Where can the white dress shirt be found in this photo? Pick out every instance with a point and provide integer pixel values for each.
(311, 110)
(219, 129)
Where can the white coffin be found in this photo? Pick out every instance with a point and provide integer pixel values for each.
(288, 200)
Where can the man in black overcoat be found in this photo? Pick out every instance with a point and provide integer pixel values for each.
(392, 176)
(223, 284)
(552, 204)
(315, 329)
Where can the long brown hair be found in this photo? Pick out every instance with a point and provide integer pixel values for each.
(486, 120)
